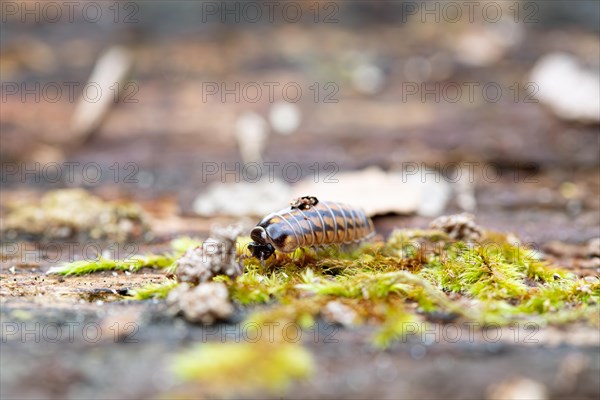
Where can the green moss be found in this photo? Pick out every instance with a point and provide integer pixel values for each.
(229, 368)
(559, 295)
(527, 261)
(75, 213)
(364, 285)
(493, 281)
(300, 311)
(135, 263)
(398, 323)
(480, 272)
(154, 291)
(255, 288)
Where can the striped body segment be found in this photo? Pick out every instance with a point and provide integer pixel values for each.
(324, 223)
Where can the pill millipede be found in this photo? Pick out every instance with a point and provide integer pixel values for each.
(309, 222)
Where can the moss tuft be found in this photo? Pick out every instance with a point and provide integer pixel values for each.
(397, 324)
(414, 274)
(154, 291)
(251, 366)
(135, 263)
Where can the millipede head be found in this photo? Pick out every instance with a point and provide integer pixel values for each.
(261, 251)
(260, 247)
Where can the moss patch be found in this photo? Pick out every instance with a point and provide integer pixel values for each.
(75, 213)
(416, 274)
(157, 291)
(134, 263)
(250, 367)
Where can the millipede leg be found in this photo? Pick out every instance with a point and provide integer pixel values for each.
(301, 257)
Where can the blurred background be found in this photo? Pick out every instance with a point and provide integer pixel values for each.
(222, 111)
(489, 107)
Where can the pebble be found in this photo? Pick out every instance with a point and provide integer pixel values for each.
(569, 89)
